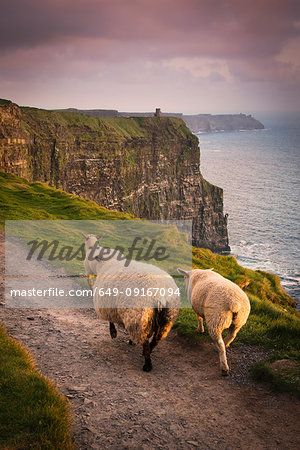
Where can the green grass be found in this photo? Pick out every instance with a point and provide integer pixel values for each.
(117, 128)
(21, 200)
(285, 380)
(32, 412)
(66, 124)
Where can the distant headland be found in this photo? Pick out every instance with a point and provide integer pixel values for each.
(197, 123)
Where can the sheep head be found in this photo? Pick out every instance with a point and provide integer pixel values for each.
(91, 240)
(186, 275)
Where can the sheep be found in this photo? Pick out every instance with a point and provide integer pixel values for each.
(154, 318)
(221, 302)
(90, 264)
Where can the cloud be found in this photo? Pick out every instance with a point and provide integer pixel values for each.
(214, 68)
(195, 41)
(203, 27)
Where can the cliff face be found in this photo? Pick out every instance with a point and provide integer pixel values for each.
(146, 166)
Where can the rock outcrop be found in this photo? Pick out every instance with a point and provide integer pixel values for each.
(146, 166)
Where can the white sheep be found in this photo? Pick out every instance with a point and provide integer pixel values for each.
(142, 316)
(221, 302)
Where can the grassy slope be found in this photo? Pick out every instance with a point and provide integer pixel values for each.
(20, 199)
(273, 322)
(51, 123)
(32, 413)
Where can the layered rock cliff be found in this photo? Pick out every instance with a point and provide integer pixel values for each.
(146, 166)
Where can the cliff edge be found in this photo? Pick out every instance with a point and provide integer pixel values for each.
(197, 123)
(148, 166)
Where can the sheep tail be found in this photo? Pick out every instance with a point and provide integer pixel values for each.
(235, 306)
(234, 314)
(238, 311)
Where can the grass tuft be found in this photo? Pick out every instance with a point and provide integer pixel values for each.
(285, 380)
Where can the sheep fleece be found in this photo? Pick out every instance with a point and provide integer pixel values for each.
(135, 314)
(213, 296)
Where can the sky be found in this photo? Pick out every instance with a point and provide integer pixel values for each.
(190, 56)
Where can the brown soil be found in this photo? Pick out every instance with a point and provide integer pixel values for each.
(183, 403)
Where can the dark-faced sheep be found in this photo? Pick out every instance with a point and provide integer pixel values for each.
(150, 314)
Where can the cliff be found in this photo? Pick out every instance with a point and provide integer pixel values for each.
(145, 166)
(223, 122)
(206, 123)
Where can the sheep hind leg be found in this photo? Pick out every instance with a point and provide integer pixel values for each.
(153, 343)
(90, 281)
(233, 330)
(162, 328)
(112, 330)
(219, 343)
(147, 352)
(160, 334)
(200, 328)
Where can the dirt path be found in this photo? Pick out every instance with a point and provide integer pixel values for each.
(183, 403)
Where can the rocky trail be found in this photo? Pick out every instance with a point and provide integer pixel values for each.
(183, 403)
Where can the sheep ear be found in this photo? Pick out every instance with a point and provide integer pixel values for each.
(184, 272)
(99, 236)
(210, 270)
(85, 236)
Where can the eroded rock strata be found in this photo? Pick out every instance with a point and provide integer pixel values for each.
(148, 166)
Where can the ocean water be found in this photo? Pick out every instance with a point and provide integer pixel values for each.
(259, 172)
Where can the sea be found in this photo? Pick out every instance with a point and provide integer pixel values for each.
(259, 173)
